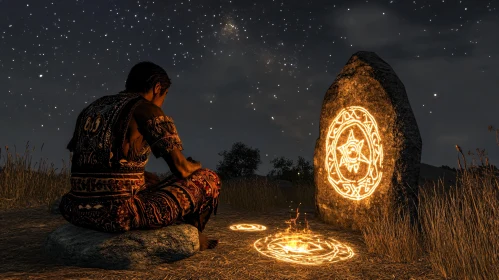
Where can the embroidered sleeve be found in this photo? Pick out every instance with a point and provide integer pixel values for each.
(161, 135)
(158, 130)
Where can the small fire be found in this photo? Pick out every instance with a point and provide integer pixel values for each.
(296, 246)
(302, 246)
(248, 227)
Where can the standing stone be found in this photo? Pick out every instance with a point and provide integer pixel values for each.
(368, 153)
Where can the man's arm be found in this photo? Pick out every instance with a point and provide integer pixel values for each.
(183, 168)
(161, 134)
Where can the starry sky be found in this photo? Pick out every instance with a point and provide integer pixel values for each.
(244, 70)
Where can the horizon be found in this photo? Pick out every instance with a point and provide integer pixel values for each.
(258, 172)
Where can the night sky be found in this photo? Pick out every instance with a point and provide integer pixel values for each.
(250, 71)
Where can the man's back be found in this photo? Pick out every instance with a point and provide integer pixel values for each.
(100, 134)
(103, 175)
(111, 144)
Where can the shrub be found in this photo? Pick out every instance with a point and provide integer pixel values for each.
(240, 161)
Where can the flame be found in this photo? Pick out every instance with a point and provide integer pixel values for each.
(296, 246)
(302, 246)
(248, 227)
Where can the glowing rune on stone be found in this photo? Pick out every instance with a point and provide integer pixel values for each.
(351, 153)
(354, 162)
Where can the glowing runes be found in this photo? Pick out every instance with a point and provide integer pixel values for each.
(248, 227)
(354, 154)
(307, 249)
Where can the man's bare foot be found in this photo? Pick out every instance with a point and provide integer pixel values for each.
(204, 243)
(212, 243)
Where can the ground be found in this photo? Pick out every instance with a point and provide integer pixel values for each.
(23, 232)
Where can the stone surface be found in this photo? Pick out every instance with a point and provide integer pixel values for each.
(138, 249)
(369, 145)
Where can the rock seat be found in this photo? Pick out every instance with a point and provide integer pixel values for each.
(137, 249)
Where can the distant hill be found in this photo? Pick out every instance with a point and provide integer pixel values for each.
(432, 173)
(427, 173)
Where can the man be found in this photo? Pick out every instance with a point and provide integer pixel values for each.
(114, 136)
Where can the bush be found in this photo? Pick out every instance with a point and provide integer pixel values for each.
(283, 169)
(240, 161)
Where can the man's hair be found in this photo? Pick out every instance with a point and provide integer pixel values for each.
(144, 75)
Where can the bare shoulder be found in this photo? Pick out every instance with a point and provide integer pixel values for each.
(146, 111)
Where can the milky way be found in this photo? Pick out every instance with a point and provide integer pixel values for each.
(250, 71)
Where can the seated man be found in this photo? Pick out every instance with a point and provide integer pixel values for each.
(110, 148)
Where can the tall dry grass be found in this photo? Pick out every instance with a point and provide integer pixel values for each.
(252, 194)
(457, 228)
(393, 235)
(24, 184)
(461, 225)
(264, 194)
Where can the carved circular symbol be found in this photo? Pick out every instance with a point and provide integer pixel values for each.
(354, 154)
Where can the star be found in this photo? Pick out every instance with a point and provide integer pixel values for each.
(351, 153)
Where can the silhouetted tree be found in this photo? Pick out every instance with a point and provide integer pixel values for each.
(305, 169)
(285, 170)
(240, 161)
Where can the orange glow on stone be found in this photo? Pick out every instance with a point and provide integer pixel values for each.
(354, 153)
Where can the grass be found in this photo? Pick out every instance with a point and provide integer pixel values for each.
(457, 230)
(263, 194)
(393, 236)
(461, 227)
(23, 184)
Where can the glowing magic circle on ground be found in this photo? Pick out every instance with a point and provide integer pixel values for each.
(354, 153)
(248, 227)
(306, 249)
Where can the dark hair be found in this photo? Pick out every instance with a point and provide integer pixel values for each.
(144, 76)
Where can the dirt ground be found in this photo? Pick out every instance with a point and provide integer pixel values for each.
(22, 233)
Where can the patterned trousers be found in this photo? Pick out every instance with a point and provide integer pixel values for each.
(173, 200)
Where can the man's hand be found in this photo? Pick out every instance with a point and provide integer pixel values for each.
(179, 165)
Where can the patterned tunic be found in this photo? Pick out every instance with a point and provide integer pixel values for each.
(108, 189)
